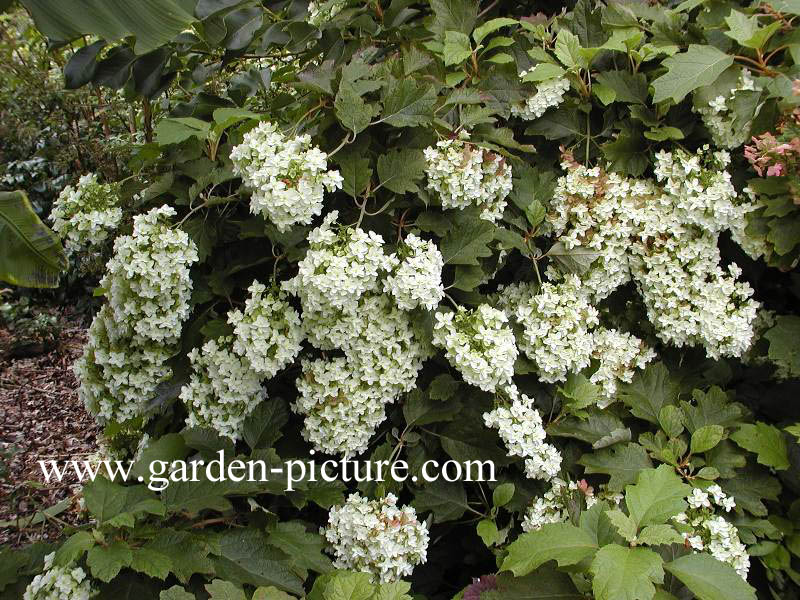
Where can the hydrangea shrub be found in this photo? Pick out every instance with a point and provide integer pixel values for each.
(560, 241)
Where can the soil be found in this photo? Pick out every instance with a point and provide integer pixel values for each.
(41, 418)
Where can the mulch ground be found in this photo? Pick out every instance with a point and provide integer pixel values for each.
(41, 418)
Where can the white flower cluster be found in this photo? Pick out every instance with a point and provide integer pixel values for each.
(463, 175)
(288, 177)
(719, 116)
(591, 211)
(376, 537)
(700, 189)
(619, 355)
(341, 412)
(561, 335)
(557, 326)
(340, 283)
(705, 531)
(417, 281)
(59, 583)
(549, 93)
(222, 390)
(664, 236)
(148, 287)
(690, 298)
(553, 506)
(521, 429)
(85, 215)
(479, 343)
(341, 265)
(268, 333)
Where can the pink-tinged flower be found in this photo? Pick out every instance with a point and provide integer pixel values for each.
(480, 585)
(775, 170)
(796, 87)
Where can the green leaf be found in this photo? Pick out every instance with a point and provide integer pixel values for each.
(82, 65)
(628, 87)
(107, 500)
(710, 408)
(543, 72)
(625, 573)
(464, 245)
(649, 391)
(622, 463)
(544, 584)
(106, 562)
(179, 129)
(407, 103)
(487, 531)
(709, 579)
(349, 586)
(30, 253)
(303, 547)
(766, 441)
(562, 542)
(263, 427)
(783, 347)
(271, 593)
(447, 501)
(224, 590)
(399, 170)
(455, 15)
(457, 48)
(419, 409)
(503, 494)
(568, 50)
(188, 552)
(658, 535)
(74, 548)
(706, 438)
(351, 110)
(671, 420)
(746, 30)
(625, 526)
(658, 495)
(176, 592)
(626, 154)
(397, 590)
(151, 562)
(356, 172)
(246, 558)
(698, 66)
(491, 26)
(151, 22)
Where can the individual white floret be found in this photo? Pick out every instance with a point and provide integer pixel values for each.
(60, 583)
(479, 343)
(376, 537)
(268, 333)
(223, 389)
(417, 280)
(287, 176)
(464, 175)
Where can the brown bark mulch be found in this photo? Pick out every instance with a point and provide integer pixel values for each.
(41, 418)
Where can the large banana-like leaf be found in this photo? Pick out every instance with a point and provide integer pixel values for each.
(30, 253)
(152, 22)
